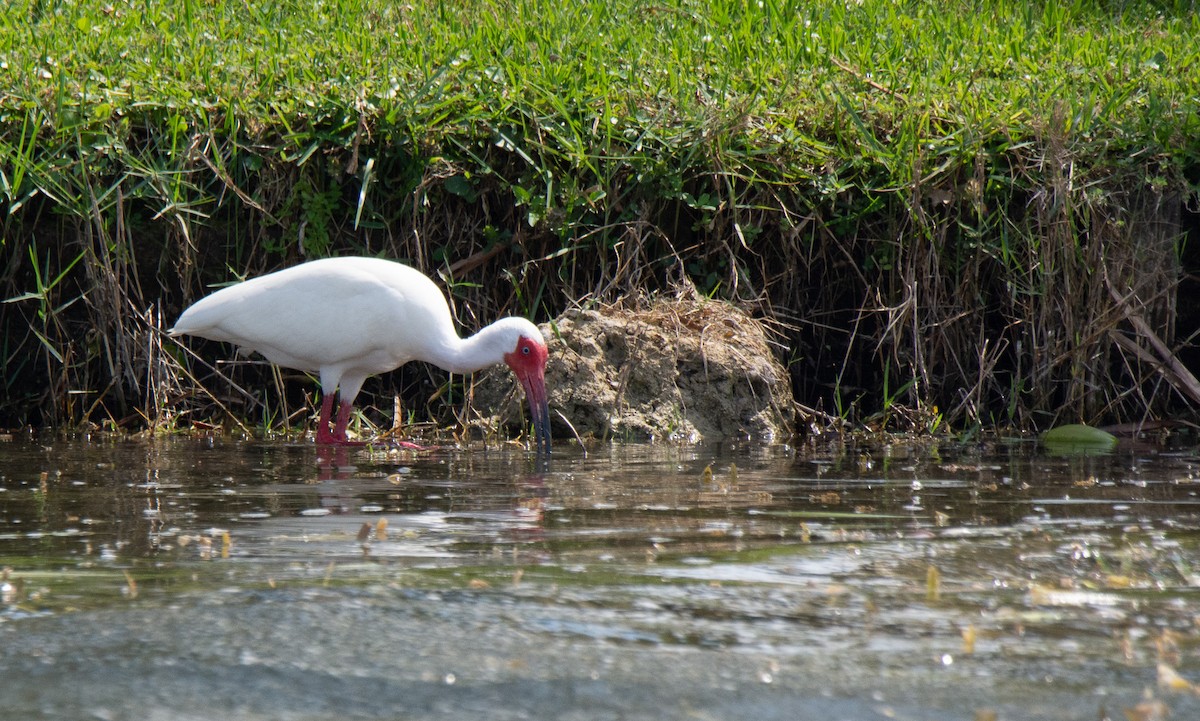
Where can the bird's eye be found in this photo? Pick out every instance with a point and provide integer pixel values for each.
(525, 350)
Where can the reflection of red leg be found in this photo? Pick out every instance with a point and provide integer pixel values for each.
(331, 463)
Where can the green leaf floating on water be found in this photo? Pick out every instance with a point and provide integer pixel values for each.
(1077, 436)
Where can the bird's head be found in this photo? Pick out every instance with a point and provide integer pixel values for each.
(527, 360)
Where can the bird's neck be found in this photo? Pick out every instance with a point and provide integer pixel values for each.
(467, 355)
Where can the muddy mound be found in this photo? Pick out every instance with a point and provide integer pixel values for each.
(686, 369)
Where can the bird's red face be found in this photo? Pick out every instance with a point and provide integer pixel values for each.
(528, 363)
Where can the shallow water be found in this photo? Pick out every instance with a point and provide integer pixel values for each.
(181, 579)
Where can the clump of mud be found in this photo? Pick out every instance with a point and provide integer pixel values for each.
(685, 369)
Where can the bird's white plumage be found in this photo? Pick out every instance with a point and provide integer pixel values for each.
(347, 319)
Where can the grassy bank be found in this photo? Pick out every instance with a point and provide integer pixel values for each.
(967, 213)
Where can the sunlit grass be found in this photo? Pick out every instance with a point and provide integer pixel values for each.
(774, 91)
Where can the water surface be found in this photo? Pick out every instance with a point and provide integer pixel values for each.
(181, 579)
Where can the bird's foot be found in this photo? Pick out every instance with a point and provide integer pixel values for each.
(326, 438)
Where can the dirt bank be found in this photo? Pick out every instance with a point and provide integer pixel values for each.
(673, 368)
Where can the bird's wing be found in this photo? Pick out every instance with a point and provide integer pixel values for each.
(326, 313)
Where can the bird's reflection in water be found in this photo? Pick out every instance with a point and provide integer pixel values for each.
(527, 496)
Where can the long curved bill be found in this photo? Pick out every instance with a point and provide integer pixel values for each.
(539, 410)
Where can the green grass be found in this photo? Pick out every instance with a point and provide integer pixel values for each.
(817, 158)
(773, 92)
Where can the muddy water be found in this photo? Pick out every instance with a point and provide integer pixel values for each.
(197, 579)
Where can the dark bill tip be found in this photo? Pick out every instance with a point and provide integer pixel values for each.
(539, 413)
(541, 428)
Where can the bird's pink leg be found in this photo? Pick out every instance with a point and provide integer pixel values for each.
(324, 437)
(343, 420)
(337, 437)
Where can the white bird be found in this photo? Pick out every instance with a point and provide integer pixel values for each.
(350, 318)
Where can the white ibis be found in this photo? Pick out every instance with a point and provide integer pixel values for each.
(350, 318)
